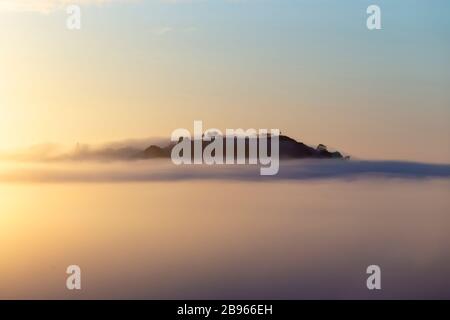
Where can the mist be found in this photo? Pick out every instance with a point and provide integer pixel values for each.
(165, 170)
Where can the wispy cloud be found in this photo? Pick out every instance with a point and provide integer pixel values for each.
(165, 30)
(160, 31)
(109, 151)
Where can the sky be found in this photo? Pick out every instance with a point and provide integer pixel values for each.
(310, 68)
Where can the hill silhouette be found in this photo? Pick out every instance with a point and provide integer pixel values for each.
(288, 149)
